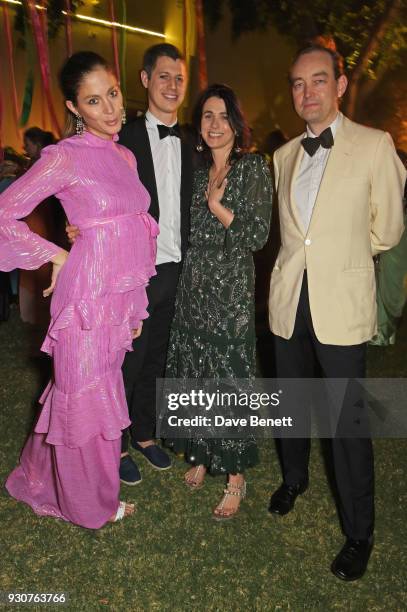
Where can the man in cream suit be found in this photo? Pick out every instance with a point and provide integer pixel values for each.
(340, 192)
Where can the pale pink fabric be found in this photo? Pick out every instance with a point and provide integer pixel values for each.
(69, 466)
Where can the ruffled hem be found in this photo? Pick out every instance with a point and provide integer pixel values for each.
(120, 313)
(72, 419)
(97, 283)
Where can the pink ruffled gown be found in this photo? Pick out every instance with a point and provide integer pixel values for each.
(69, 466)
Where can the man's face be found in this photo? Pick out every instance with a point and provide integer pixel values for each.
(166, 87)
(315, 90)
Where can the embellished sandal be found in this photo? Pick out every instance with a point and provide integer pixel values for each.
(219, 514)
(196, 481)
(121, 512)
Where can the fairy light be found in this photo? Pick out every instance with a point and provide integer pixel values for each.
(38, 6)
(102, 22)
(114, 24)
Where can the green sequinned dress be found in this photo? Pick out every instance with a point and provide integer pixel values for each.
(213, 333)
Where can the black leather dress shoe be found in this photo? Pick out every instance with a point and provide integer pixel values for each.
(282, 501)
(351, 562)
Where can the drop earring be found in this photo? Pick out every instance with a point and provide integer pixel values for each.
(124, 118)
(79, 125)
(236, 148)
(199, 147)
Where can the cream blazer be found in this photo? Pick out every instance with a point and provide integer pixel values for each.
(357, 214)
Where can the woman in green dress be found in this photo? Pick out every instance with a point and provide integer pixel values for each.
(213, 333)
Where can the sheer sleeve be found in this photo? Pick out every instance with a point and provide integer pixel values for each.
(20, 247)
(250, 226)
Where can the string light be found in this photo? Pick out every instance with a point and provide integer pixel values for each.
(103, 22)
(115, 24)
(42, 8)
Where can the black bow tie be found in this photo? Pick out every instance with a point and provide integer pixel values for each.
(165, 131)
(325, 140)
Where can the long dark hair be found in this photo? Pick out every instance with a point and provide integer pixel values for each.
(39, 137)
(236, 120)
(70, 77)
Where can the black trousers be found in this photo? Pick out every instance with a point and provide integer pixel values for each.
(300, 357)
(147, 361)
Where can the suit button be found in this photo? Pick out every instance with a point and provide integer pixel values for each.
(308, 242)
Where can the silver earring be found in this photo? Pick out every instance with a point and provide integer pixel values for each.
(236, 148)
(124, 118)
(199, 147)
(79, 125)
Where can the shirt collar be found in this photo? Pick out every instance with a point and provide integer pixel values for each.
(334, 126)
(153, 121)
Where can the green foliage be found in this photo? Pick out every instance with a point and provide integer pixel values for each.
(350, 23)
(55, 18)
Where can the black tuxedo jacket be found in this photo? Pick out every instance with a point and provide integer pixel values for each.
(134, 136)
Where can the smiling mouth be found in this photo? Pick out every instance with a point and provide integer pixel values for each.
(170, 97)
(215, 134)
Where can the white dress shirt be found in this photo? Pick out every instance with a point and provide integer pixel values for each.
(166, 154)
(310, 176)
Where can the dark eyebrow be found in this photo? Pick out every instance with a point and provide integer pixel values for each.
(97, 95)
(293, 80)
(316, 74)
(179, 74)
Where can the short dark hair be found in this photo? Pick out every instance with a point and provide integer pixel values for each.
(75, 68)
(236, 119)
(337, 59)
(162, 50)
(39, 137)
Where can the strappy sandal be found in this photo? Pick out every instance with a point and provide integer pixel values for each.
(121, 512)
(195, 482)
(219, 514)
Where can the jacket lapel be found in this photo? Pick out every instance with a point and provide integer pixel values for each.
(145, 165)
(340, 158)
(292, 163)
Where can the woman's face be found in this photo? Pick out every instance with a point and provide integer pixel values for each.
(100, 103)
(216, 130)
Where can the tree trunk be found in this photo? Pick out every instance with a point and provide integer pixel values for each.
(371, 47)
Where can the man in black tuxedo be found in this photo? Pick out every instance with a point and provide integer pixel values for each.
(164, 162)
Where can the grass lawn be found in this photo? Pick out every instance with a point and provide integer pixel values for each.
(171, 555)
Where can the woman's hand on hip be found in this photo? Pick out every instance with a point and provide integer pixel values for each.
(72, 232)
(135, 333)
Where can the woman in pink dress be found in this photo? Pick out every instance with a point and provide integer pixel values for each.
(69, 467)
